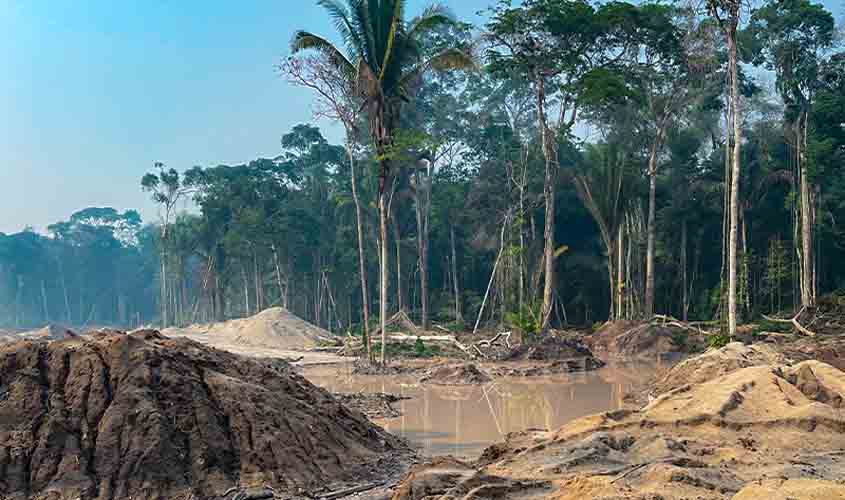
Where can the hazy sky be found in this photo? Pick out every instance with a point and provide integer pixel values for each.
(92, 92)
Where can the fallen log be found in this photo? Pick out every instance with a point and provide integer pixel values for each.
(794, 321)
(350, 491)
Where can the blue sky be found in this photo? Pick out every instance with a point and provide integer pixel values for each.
(93, 92)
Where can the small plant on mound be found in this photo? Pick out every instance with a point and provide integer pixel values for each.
(680, 339)
(405, 350)
(718, 340)
(526, 321)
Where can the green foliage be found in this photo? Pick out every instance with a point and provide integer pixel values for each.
(407, 350)
(527, 321)
(718, 340)
(680, 339)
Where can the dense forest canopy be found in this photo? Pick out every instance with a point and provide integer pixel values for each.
(566, 163)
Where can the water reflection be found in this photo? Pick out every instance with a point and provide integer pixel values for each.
(464, 420)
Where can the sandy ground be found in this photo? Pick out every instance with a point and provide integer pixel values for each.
(755, 430)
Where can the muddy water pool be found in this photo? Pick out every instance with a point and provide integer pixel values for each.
(463, 420)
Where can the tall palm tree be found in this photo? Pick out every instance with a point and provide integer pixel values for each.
(382, 58)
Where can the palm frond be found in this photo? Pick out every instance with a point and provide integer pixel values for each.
(303, 40)
(434, 16)
(347, 30)
(446, 60)
(396, 24)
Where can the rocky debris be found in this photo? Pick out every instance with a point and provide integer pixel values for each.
(362, 367)
(374, 405)
(455, 374)
(273, 328)
(749, 432)
(111, 416)
(560, 367)
(830, 350)
(629, 339)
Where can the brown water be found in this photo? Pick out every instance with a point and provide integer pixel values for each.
(464, 420)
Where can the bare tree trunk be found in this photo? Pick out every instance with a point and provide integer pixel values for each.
(421, 206)
(685, 297)
(548, 233)
(282, 288)
(362, 266)
(382, 208)
(735, 172)
(808, 298)
(44, 301)
(649, 259)
(455, 275)
(163, 284)
(651, 230)
(620, 262)
(246, 291)
(400, 303)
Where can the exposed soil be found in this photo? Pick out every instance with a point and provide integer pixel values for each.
(724, 431)
(629, 339)
(455, 374)
(273, 328)
(112, 415)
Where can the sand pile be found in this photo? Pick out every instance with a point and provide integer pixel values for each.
(273, 328)
(629, 339)
(112, 416)
(757, 432)
(49, 332)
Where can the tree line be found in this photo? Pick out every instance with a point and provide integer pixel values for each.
(564, 164)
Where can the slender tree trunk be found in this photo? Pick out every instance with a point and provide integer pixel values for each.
(455, 275)
(68, 314)
(808, 298)
(163, 284)
(735, 172)
(651, 229)
(282, 296)
(548, 233)
(421, 205)
(620, 262)
(382, 209)
(684, 294)
(397, 239)
(362, 266)
(246, 291)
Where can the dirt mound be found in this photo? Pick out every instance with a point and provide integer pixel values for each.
(455, 374)
(628, 339)
(273, 328)
(710, 440)
(112, 416)
(549, 349)
(715, 363)
(793, 489)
